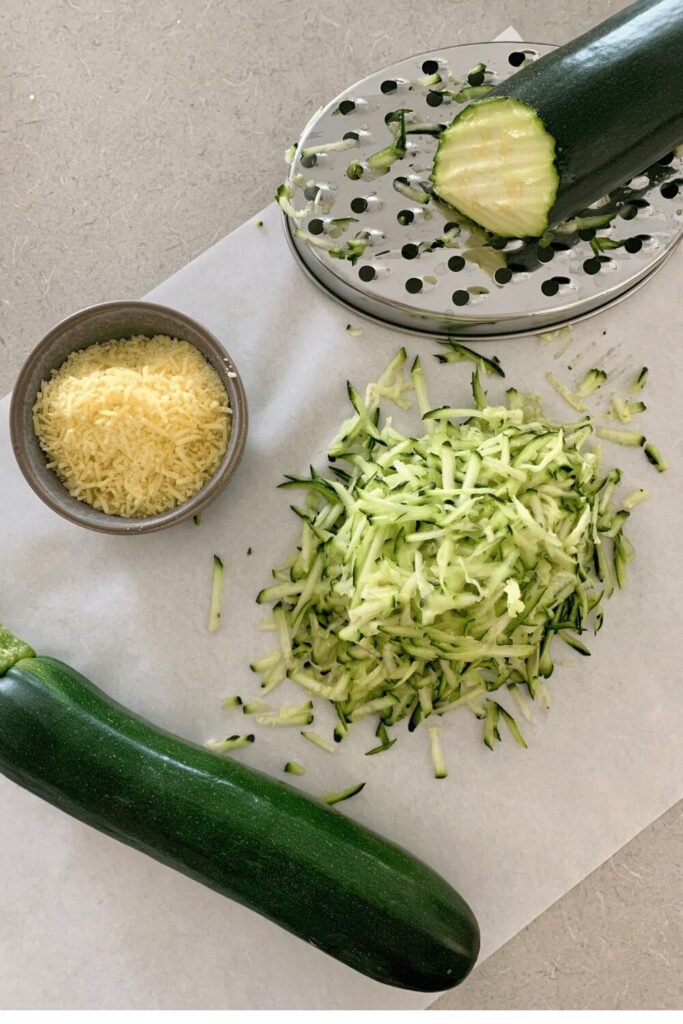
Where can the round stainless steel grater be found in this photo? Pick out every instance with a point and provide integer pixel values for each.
(365, 226)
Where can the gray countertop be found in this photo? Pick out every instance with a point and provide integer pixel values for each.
(132, 137)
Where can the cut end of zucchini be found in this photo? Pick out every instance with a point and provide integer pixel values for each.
(496, 165)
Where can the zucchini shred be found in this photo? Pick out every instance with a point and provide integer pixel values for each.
(439, 571)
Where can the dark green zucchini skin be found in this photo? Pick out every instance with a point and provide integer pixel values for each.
(305, 866)
(612, 99)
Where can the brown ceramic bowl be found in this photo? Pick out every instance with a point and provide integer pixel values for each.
(101, 323)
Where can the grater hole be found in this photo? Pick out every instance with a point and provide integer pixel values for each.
(434, 99)
(591, 266)
(633, 245)
(516, 58)
(414, 285)
(346, 107)
(628, 211)
(666, 160)
(309, 161)
(351, 135)
(550, 287)
(316, 226)
(461, 297)
(366, 273)
(389, 85)
(475, 78)
(359, 204)
(430, 67)
(405, 217)
(669, 191)
(456, 263)
(503, 275)
(409, 251)
(545, 254)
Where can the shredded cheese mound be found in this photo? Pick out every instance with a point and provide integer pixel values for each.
(134, 427)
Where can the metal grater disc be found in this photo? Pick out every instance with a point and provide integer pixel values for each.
(391, 262)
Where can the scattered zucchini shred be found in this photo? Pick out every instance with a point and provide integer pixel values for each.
(654, 456)
(231, 743)
(291, 714)
(317, 740)
(255, 707)
(436, 752)
(351, 250)
(438, 569)
(232, 702)
(384, 744)
(546, 337)
(627, 438)
(469, 93)
(592, 380)
(635, 498)
(344, 794)
(570, 397)
(620, 410)
(384, 158)
(457, 352)
(640, 381)
(416, 193)
(294, 768)
(216, 594)
(197, 520)
(283, 197)
(330, 147)
(355, 332)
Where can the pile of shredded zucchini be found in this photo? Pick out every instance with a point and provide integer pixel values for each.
(443, 570)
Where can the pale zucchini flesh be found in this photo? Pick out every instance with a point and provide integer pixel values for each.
(496, 165)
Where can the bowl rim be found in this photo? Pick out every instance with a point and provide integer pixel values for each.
(234, 386)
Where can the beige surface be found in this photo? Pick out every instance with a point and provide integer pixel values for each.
(132, 136)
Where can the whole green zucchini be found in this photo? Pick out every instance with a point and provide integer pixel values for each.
(570, 127)
(305, 866)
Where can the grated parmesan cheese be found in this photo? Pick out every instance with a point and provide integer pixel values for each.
(134, 427)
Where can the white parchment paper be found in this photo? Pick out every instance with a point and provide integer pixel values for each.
(87, 922)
